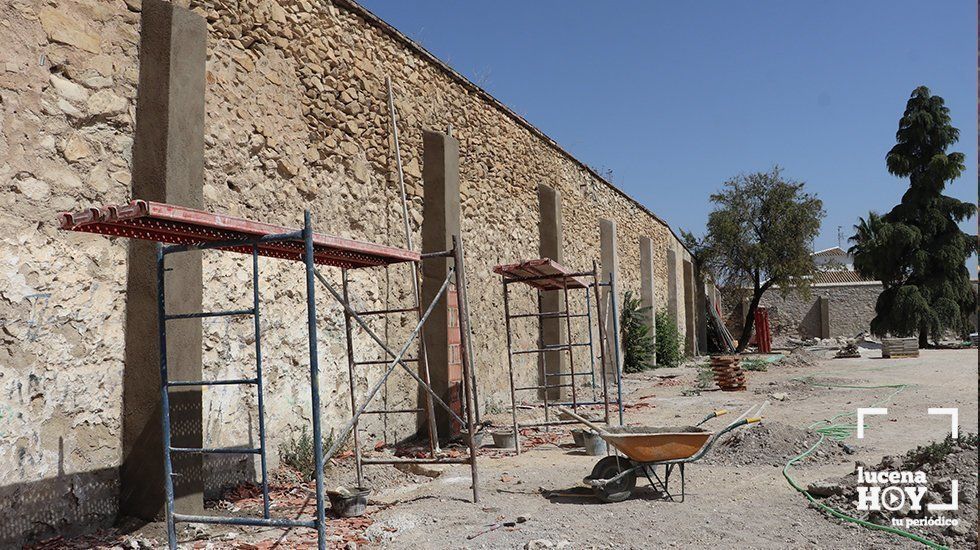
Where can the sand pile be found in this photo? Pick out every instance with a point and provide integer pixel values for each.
(771, 443)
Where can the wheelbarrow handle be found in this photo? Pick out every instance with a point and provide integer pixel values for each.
(711, 415)
(597, 429)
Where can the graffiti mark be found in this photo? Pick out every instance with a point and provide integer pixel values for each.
(35, 320)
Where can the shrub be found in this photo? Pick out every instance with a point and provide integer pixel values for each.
(937, 451)
(668, 341)
(297, 452)
(638, 346)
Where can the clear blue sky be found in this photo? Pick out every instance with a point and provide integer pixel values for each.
(676, 97)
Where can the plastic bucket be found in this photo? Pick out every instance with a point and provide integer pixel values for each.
(578, 435)
(593, 444)
(504, 439)
(351, 502)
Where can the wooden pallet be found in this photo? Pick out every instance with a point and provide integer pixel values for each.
(896, 348)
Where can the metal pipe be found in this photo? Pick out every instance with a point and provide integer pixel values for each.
(469, 337)
(384, 362)
(255, 522)
(615, 344)
(238, 381)
(216, 450)
(542, 363)
(395, 411)
(545, 387)
(349, 331)
(511, 280)
(550, 423)
(206, 314)
(417, 461)
(510, 370)
(321, 526)
(588, 314)
(387, 311)
(258, 379)
(603, 341)
(571, 349)
(168, 469)
(292, 236)
(548, 314)
(464, 332)
(439, 254)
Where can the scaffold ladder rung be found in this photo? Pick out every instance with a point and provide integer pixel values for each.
(238, 381)
(206, 314)
(216, 451)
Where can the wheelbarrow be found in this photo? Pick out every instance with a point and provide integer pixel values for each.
(648, 450)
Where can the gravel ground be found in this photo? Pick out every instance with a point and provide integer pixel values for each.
(737, 499)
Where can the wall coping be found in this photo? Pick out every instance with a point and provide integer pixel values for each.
(385, 27)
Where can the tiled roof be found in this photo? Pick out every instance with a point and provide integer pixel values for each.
(833, 251)
(837, 276)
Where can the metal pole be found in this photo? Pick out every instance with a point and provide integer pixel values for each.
(510, 367)
(321, 520)
(464, 331)
(543, 363)
(602, 338)
(615, 344)
(348, 329)
(588, 323)
(424, 359)
(258, 378)
(571, 348)
(469, 340)
(168, 468)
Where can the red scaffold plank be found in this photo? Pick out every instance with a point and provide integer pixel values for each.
(543, 274)
(167, 223)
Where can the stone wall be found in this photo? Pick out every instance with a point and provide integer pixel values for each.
(851, 308)
(296, 118)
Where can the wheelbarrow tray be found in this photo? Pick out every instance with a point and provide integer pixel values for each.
(646, 444)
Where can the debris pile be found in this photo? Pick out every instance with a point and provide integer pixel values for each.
(942, 463)
(849, 350)
(772, 443)
(799, 358)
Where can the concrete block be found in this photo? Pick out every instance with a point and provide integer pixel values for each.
(440, 211)
(168, 166)
(690, 331)
(609, 264)
(550, 246)
(672, 286)
(647, 295)
(824, 305)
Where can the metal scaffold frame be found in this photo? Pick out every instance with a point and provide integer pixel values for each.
(547, 276)
(193, 230)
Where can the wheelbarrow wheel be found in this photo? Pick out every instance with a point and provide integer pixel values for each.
(608, 468)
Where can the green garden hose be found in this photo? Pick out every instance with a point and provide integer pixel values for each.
(836, 431)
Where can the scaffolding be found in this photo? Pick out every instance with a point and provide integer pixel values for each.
(546, 275)
(186, 229)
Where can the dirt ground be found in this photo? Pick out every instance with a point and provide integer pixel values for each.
(733, 500)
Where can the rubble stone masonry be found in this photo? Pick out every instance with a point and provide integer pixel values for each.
(296, 117)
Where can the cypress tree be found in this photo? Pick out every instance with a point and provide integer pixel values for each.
(917, 250)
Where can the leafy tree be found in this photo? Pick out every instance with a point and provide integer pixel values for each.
(760, 234)
(917, 250)
(638, 346)
(669, 352)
